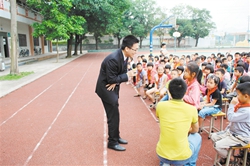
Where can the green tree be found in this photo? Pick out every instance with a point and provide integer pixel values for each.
(121, 30)
(201, 22)
(142, 18)
(57, 23)
(193, 22)
(185, 29)
(103, 16)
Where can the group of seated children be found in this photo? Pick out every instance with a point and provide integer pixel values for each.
(206, 84)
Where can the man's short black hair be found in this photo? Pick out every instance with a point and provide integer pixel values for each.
(229, 55)
(210, 67)
(156, 57)
(245, 78)
(244, 88)
(177, 88)
(139, 63)
(150, 64)
(162, 61)
(168, 66)
(129, 41)
(223, 60)
(242, 64)
(221, 70)
(181, 68)
(204, 64)
(223, 65)
(218, 61)
(163, 44)
(239, 69)
(203, 57)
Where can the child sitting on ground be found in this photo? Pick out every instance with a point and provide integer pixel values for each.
(222, 85)
(160, 82)
(208, 70)
(167, 70)
(150, 78)
(213, 103)
(174, 74)
(238, 73)
(227, 76)
(193, 93)
(180, 71)
(140, 79)
(237, 133)
(135, 71)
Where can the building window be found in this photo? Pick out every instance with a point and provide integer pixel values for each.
(45, 41)
(22, 40)
(36, 41)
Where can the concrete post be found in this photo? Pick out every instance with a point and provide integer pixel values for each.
(2, 54)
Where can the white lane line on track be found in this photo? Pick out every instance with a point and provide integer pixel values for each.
(105, 151)
(36, 97)
(58, 114)
(147, 107)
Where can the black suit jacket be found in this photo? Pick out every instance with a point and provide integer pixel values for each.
(113, 71)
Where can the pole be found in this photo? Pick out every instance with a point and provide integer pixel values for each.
(174, 44)
(14, 60)
(151, 35)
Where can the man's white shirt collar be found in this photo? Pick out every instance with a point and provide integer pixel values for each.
(124, 57)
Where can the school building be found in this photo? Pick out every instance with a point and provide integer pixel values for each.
(25, 18)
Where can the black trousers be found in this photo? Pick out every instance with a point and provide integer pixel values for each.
(113, 118)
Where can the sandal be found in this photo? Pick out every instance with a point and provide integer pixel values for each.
(137, 95)
(223, 161)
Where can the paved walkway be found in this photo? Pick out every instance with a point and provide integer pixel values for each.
(40, 68)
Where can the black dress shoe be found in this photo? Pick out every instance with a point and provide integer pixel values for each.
(122, 141)
(116, 147)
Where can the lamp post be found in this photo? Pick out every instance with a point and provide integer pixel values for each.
(176, 34)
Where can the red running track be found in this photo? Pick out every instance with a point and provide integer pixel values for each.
(59, 120)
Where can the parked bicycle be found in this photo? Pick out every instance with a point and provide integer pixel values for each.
(24, 52)
(37, 51)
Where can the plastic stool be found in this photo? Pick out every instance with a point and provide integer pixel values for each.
(230, 152)
(211, 126)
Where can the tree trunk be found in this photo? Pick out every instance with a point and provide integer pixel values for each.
(76, 44)
(119, 42)
(141, 42)
(80, 46)
(14, 61)
(69, 46)
(81, 37)
(96, 42)
(57, 51)
(196, 41)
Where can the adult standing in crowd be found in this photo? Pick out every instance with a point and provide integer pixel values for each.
(164, 50)
(113, 71)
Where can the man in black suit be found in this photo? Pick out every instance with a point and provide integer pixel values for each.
(113, 71)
